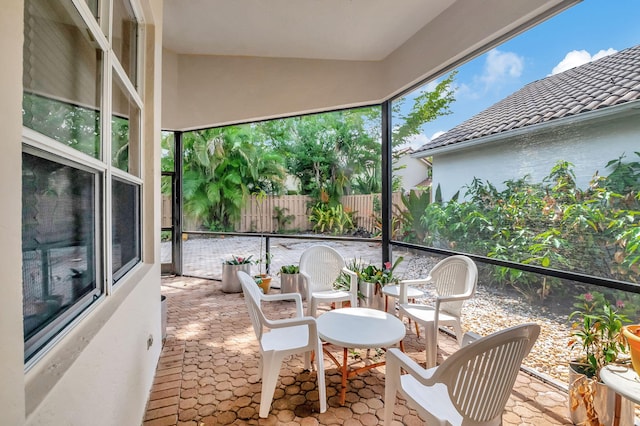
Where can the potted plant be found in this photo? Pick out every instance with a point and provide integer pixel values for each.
(230, 268)
(372, 279)
(290, 281)
(632, 334)
(597, 331)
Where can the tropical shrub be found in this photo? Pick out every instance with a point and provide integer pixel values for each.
(282, 218)
(332, 219)
(552, 224)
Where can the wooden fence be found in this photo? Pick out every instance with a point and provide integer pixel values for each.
(292, 210)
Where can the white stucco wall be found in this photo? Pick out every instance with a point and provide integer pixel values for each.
(588, 146)
(100, 371)
(414, 172)
(12, 348)
(226, 89)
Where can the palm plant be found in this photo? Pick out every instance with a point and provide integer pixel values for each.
(221, 167)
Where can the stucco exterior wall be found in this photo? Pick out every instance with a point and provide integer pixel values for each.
(589, 146)
(218, 90)
(99, 371)
(12, 348)
(414, 172)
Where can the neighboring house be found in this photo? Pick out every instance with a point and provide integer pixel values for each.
(587, 115)
(413, 172)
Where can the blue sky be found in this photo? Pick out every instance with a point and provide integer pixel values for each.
(586, 31)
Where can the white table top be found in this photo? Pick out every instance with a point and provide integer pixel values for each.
(394, 291)
(360, 328)
(623, 379)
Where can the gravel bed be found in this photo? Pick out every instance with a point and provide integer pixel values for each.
(491, 310)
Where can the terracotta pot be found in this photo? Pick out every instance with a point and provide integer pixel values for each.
(632, 334)
(264, 282)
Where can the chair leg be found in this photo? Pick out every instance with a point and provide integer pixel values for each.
(308, 360)
(417, 329)
(458, 330)
(270, 373)
(431, 339)
(312, 307)
(322, 388)
(392, 382)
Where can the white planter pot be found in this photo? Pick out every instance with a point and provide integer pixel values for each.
(230, 281)
(369, 297)
(604, 402)
(290, 283)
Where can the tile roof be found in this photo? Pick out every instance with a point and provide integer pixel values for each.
(612, 80)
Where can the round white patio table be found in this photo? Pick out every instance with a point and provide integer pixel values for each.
(360, 328)
(622, 379)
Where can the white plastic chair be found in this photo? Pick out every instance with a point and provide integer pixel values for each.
(454, 279)
(393, 291)
(285, 337)
(320, 267)
(471, 387)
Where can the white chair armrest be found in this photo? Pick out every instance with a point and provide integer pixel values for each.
(285, 296)
(417, 281)
(396, 359)
(291, 322)
(403, 284)
(353, 284)
(469, 337)
(457, 297)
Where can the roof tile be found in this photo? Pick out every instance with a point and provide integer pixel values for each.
(609, 81)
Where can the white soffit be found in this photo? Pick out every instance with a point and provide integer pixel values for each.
(360, 30)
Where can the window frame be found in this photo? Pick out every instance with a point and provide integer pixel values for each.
(33, 146)
(46, 147)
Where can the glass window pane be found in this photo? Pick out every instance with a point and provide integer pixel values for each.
(125, 130)
(125, 37)
(59, 242)
(94, 5)
(125, 227)
(61, 76)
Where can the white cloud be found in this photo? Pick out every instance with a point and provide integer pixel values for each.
(576, 58)
(416, 141)
(436, 134)
(500, 65)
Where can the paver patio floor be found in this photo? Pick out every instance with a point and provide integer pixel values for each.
(208, 373)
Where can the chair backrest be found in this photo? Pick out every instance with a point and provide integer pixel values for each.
(454, 276)
(252, 296)
(480, 376)
(323, 265)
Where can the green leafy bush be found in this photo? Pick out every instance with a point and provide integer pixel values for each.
(332, 219)
(552, 224)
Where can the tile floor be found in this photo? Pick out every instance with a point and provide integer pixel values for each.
(207, 373)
